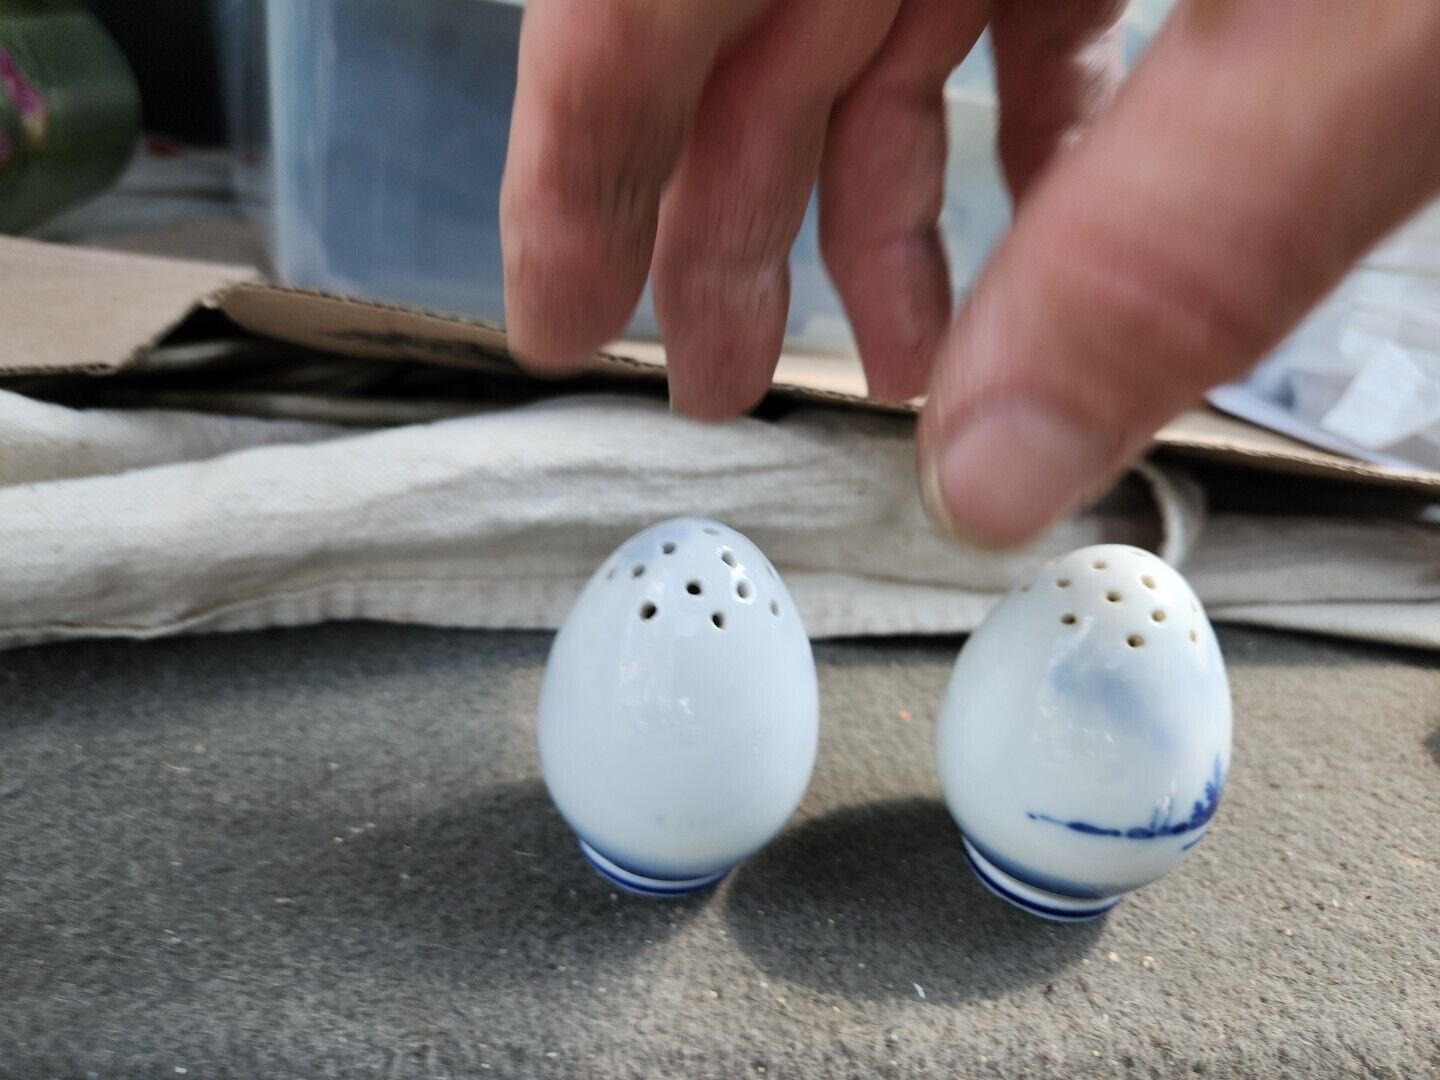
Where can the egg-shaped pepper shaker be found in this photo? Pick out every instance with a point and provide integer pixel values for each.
(1084, 740)
(679, 709)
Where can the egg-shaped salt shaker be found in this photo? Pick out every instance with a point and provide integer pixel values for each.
(1084, 740)
(679, 710)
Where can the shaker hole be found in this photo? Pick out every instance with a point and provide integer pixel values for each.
(1099, 564)
(1194, 636)
(1158, 615)
(668, 547)
(1135, 641)
(647, 611)
(719, 620)
(711, 531)
(694, 588)
(744, 590)
(774, 607)
(1147, 581)
(1069, 618)
(637, 570)
(1113, 596)
(728, 558)
(1062, 583)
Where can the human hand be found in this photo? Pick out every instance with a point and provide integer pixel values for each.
(1162, 241)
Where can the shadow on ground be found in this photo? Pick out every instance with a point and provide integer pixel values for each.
(870, 901)
(862, 903)
(491, 889)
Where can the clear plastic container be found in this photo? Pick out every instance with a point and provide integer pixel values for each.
(389, 123)
(240, 49)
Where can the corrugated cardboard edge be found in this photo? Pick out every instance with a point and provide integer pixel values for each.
(72, 309)
(1207, 434)
(367, 328)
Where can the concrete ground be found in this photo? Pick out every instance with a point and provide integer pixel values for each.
(326, 853)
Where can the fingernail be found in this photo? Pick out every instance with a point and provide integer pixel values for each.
(1010, 472)
(932, 499)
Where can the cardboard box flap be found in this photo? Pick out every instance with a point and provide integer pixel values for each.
(365, 328)
(352, 327)
(368, 328)
(81, 309)
(1211, 435)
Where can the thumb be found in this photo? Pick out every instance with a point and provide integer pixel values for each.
(1257, 152)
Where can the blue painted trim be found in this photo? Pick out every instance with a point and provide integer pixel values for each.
(642, 884)
(1024, 904)
(1044, 882)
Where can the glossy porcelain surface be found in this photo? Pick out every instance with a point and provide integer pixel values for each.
(679, 711)
(1084, 739)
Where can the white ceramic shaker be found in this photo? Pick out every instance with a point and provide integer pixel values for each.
(679, 710)
(1084, 739)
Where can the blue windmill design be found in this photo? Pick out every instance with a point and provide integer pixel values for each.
(1160, 825)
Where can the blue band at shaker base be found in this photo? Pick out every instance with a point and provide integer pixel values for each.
(1063, 909)
(641, 885)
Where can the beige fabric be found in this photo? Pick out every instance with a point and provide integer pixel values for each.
(1371, 578)
(147, 523)
(40, 441)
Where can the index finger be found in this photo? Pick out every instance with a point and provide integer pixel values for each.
(605, 95)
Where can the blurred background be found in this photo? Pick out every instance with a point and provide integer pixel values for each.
(357, 147)
(377, 173)
(172, 46)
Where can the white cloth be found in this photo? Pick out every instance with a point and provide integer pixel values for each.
(144, 523)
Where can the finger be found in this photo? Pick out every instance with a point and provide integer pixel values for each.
(737, 200)
(605, 92)
(1057, 63)
(1256, 153)
(882, 188)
